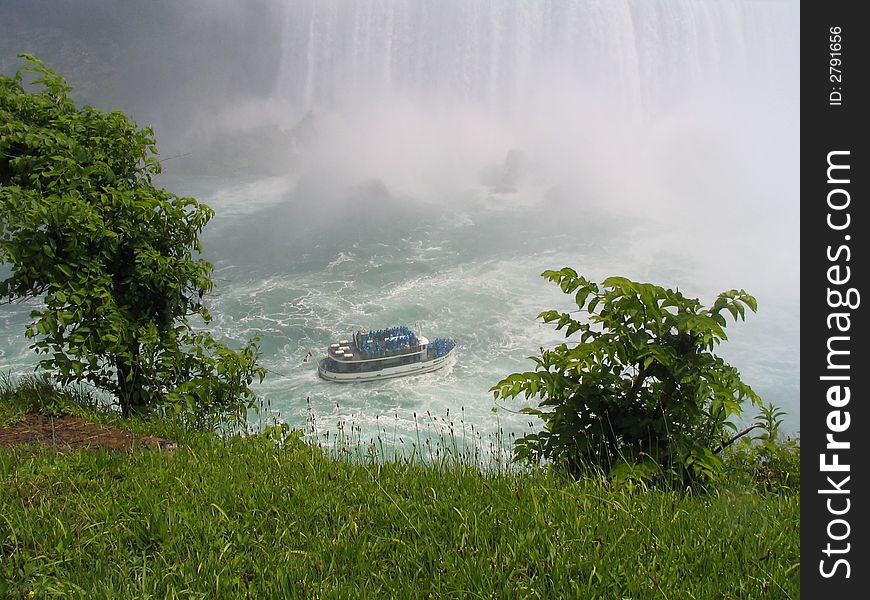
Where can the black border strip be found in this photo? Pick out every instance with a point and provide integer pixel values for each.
(835, 301)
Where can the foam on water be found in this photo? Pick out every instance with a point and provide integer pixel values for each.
(477, 284)
(442, 158)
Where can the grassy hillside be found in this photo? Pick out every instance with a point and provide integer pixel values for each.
(247, 517)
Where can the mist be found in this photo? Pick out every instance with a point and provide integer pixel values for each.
(664, 135)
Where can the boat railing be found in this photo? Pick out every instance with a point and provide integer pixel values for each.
(392, 341)
(440, 347)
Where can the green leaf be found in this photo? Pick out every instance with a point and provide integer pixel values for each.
(641, 394)
(129, 254)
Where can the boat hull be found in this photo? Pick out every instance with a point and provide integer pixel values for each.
(387, 372)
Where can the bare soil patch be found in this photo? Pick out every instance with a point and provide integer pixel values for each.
(70, 431)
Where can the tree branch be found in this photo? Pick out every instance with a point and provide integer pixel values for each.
(735, 438)
(636, 385)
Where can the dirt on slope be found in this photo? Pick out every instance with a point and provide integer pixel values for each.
(69, 431)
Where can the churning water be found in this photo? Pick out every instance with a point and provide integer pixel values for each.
(441, 155)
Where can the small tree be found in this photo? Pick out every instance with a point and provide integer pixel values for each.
(115, 260)
(641, 394)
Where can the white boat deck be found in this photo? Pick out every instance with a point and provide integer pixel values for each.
(388, 353)
(346, 351)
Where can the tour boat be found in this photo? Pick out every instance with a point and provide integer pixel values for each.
(382, 354)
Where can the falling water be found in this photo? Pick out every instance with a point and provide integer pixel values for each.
(493, 53)
(433, 157)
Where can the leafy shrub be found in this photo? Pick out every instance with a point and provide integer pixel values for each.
(641, 395)
(115, 260)
(769, 462)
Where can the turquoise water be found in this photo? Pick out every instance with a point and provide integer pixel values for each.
(439, 160)
(466, 269)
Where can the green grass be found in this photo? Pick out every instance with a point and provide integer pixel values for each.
(37, 394)
(243, 517)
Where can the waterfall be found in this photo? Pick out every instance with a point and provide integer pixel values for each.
(644, 55)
